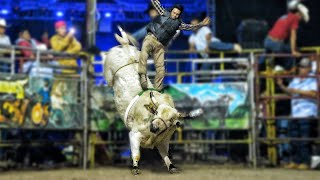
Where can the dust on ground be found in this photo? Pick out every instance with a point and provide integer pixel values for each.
(194, 172)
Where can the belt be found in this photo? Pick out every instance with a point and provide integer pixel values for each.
(275, 39)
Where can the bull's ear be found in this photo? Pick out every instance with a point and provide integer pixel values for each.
(151, 108)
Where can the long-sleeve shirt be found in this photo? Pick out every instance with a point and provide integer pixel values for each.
(67, 45)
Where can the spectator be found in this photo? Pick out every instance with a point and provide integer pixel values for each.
(65, 42)
(45, 39)
(286, 29)
(26, 41)
(302, 86)
(202, 40)
(29, 45)
(4, 39)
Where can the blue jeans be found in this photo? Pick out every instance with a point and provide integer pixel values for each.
(221, 46)
(282, 132)
(277, 47)
(300, 150)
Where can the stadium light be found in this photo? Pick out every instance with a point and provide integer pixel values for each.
(4, 11)
(59, 14)
(107, 14)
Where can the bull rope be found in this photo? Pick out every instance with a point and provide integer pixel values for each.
(134, 100)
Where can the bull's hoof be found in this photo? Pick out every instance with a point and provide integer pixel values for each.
(173, 169)
(135, 171)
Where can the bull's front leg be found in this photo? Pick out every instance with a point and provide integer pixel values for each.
(163, 150)
(135, 139)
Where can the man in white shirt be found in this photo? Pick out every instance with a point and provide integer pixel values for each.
(304, 104)
(202, 40)
(4, 39)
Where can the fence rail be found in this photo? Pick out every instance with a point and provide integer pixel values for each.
(249, 73)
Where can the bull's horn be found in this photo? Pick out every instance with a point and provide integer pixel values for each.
(183, 115)
(192, 114)
(153, 100)
(196, 113)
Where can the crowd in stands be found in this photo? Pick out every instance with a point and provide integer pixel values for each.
(62, 41)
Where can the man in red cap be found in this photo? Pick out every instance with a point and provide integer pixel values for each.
(65, 42)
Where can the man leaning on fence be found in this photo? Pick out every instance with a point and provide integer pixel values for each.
(285, 29)
(303, 89)
(65, 42)
(202, 39)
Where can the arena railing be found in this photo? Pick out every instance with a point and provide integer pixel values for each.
(180, 75)
(10, 55)
(267, 95)
(44, 68)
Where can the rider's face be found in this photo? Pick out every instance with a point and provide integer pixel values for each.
(175, 13)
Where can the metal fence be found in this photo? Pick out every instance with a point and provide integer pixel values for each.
(40, 95)
(188, 141)
(269, 96)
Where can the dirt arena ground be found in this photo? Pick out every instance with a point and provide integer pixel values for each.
(196, 172)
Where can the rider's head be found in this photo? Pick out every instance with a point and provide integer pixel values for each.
(176, 11)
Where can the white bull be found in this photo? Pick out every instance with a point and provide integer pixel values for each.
(150, 116)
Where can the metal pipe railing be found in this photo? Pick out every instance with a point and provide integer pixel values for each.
(250, 75)
(41, 60)
(271, 97)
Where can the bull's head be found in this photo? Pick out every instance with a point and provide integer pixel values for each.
(166, 116)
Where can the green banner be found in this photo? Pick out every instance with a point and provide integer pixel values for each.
(225, 106)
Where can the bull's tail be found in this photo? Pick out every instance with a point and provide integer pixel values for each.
(125, 38)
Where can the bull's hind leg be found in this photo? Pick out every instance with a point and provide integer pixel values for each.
(163, 150)
(135, 138)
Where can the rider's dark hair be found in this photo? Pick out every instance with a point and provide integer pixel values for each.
(178, 6)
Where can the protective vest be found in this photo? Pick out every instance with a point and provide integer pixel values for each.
(164, 28)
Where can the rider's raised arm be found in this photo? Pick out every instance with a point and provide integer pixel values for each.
(190, 27)
(158, 7)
